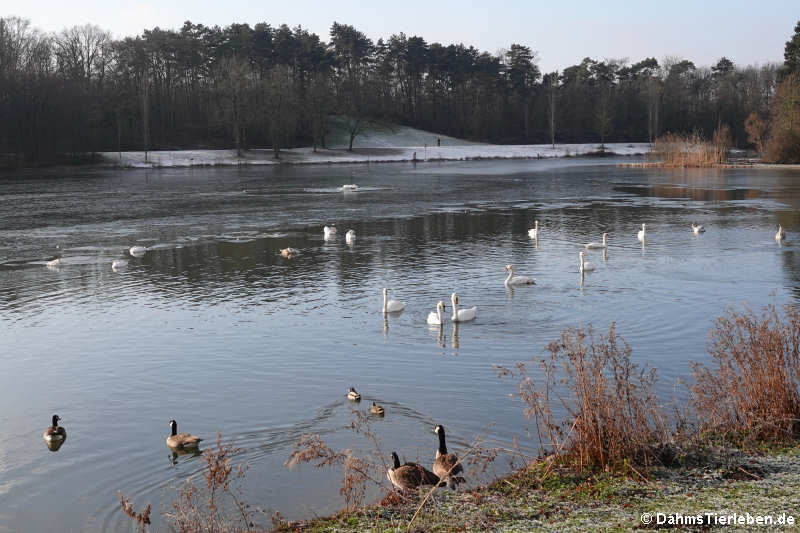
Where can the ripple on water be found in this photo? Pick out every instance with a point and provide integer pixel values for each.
(213, 328)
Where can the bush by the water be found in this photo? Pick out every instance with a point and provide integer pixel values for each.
(610, 415)
(784, 141)
(752, 388)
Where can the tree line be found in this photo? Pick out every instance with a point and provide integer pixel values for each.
(80, 91)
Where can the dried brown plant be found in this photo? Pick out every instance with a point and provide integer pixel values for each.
(752, 388)
(606, 412)
(216, 506)
(143, 518)
(358, 472)
(680, 151)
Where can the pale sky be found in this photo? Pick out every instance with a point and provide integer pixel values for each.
(563, 32)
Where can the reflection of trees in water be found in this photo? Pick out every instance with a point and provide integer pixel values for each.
(701, 194)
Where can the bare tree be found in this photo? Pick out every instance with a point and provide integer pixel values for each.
(145, 94)
(84, 53)
(653, 88)
(602, 117)
(551, 82)
(280, 105)
(233, 82)
(320, 101)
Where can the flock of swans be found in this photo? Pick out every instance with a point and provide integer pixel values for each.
(438, 318)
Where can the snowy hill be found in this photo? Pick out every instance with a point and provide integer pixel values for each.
(386, 135)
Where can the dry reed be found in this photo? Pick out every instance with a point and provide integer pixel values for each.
(611, 417)
(681, 151)
(753, 386)
(358, 472)
(217, 505)
(143, 518)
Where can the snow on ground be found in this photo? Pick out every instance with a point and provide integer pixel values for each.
(187, 158)
(386, 135)
(379, 142)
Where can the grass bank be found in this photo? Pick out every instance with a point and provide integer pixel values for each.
(552, 497)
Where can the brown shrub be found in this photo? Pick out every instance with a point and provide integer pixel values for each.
(783, 145)
(753, 387)
(358, 472)
(756, 129)
(143, 518)
(217, 505)
(611, 415)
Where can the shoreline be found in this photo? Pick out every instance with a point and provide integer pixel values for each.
(547, 496)
(307, 156)
(656, 164)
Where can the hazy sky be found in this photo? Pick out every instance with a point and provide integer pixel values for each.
(562, 31)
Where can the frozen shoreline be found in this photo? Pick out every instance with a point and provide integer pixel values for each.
(189, 158)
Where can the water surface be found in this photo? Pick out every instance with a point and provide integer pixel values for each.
(213, 328)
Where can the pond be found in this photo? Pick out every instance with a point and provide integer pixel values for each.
(212, 327)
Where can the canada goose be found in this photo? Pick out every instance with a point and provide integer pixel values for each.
(181, 441)
(517, 280)
(377, 409)
(446, 465)
(642, 235)
(781, 234)
(534, 232)
(410, 475)
(54, 263)
(55, 433)
(697, 228)
(391, 306)
(289, 252)
(137, 251)
(597, 244)
(462, 315)
(352, 394)
(350, 237)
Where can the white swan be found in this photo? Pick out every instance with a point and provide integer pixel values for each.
(697, 228)
(329, 232)
(598, 244)
(642, 233)
(436, 318)
(517, 280)
(119, 264)
(461, 315)
(137, 251)
(350, 237)
(585, 266)
(391, 306)
(54, 263)
(289, 252)
(350, 187)
(781, 234)
(534, 233)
